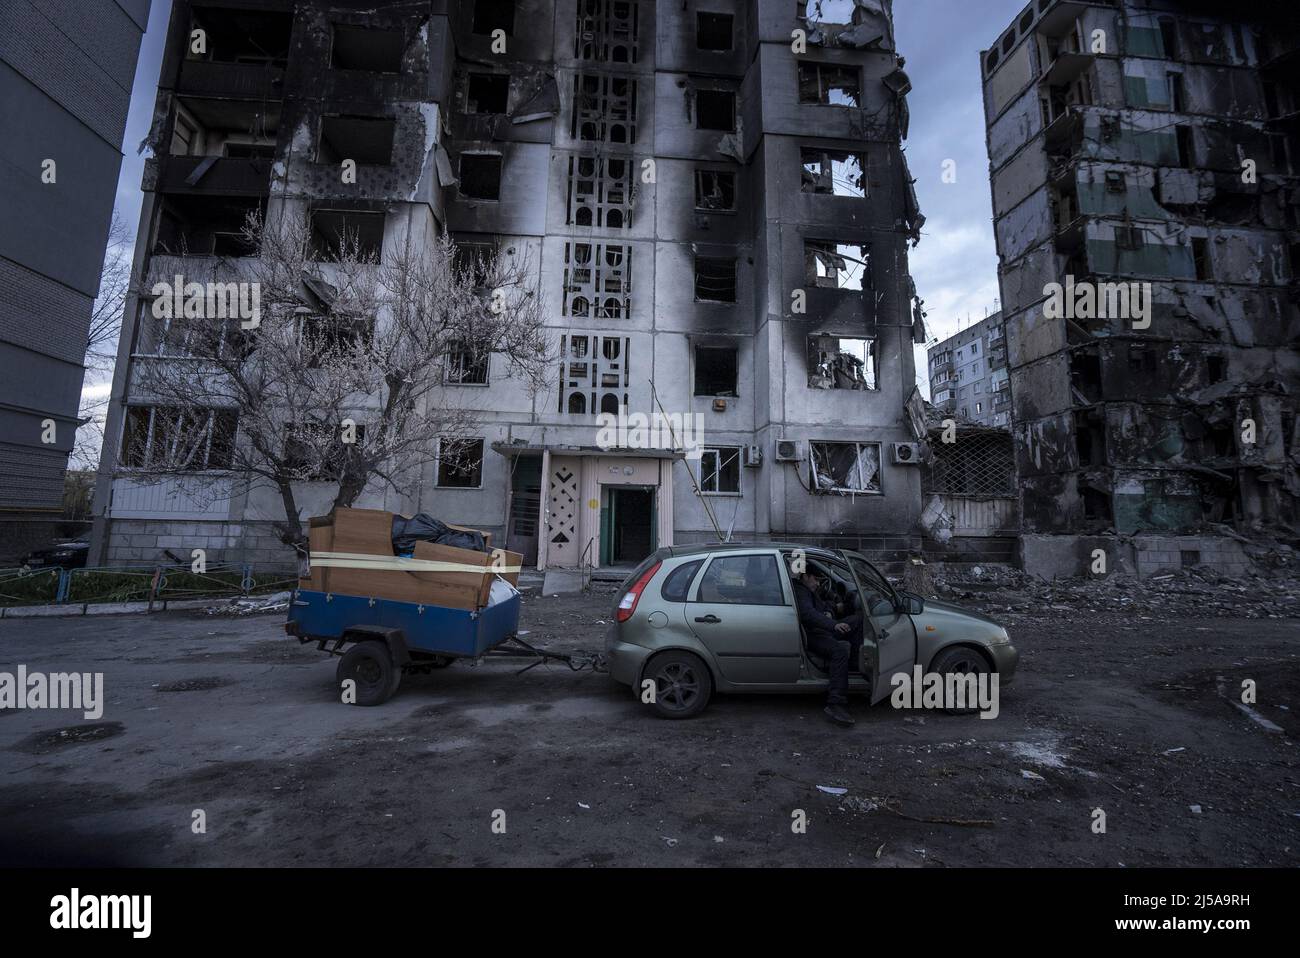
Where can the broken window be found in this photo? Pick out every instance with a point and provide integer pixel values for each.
(1216, 368)
(720, 471)
(715, 279)
(367, 48)
(330, 340)
(600, 192)
(832, 265)
(241, 36)
(177, 438)
(828, 83)
(1169, 37)
(487, 92)
(460, 463)
(205, 225)
(467, 365)
(844, 467)
(715, 190)
(1115, 182)
(838, 362)
(713, 31)
(607, 31)
(1090, 437)
(604, 108)
(1096, 504)
(832, 172)
(475, 261)
(715, 371)
(715, 110)
(491, 15)
(346, 234)
(1186, 146)
(366, 140)
(480, 176)
(1128, 238)
(1201, 257)
(1176, 92)
(597, 280)
(594, 374)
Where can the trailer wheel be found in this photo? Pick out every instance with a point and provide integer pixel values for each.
(370, 666)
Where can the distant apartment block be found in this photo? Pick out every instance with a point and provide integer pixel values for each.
(968, 374)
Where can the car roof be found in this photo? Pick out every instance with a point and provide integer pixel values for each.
(707, 548)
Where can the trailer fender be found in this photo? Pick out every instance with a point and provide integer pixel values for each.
(395, 639)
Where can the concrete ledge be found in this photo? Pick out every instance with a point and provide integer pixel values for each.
(105, 608)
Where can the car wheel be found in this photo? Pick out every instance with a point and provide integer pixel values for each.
(961, 660)
(370, 666)
(683, 685)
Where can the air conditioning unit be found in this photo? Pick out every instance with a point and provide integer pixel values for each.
(905, 453)
(753, 456)
(789, 450)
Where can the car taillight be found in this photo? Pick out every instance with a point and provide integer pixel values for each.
(627, 605)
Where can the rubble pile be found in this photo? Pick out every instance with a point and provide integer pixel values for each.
(1198, 592)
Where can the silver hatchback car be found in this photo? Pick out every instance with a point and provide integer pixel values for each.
(695, 620)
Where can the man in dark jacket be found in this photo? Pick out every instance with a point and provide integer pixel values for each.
(833, 636)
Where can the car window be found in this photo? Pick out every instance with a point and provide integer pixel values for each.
(742, 580)
(875, 590)
(678, 583)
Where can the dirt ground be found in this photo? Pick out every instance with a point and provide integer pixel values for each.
(1126, 713)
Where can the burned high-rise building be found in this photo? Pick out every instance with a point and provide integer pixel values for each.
(1144, 160)
(718, 202)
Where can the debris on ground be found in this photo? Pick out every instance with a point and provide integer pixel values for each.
(252, 604)
(1197, 591)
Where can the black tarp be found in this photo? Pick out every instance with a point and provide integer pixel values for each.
(425, 528)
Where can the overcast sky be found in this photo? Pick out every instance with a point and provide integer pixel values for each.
(955, 267)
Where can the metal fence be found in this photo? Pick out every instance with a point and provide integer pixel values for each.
(149, 584)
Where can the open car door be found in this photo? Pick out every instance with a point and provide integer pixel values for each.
(889, 626)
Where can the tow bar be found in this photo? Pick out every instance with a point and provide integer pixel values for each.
(576, 661)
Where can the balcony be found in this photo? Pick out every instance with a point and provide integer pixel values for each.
(219, 175)
(1001, 400)
(997, 357)
(251, 81)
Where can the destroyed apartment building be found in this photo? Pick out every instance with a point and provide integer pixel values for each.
(715, 194)
(1135, 147)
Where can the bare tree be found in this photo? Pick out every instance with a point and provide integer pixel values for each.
(343, 378)
(114, 283)
(101, 342)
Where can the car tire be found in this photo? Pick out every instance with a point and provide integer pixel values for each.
(370, 665)
(963, 660)
(683, 685)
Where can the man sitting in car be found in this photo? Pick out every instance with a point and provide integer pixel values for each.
(832, 636)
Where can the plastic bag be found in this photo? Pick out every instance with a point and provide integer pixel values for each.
(425, 528)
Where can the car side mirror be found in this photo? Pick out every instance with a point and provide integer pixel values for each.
(910, 603)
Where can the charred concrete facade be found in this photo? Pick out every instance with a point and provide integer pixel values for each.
(711, 211)
(1148, 143)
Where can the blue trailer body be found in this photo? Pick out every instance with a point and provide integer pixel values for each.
(426, 628)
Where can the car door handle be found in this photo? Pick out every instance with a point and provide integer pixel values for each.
(711, 619)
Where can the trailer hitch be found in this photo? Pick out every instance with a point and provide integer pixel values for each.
(577, 661)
